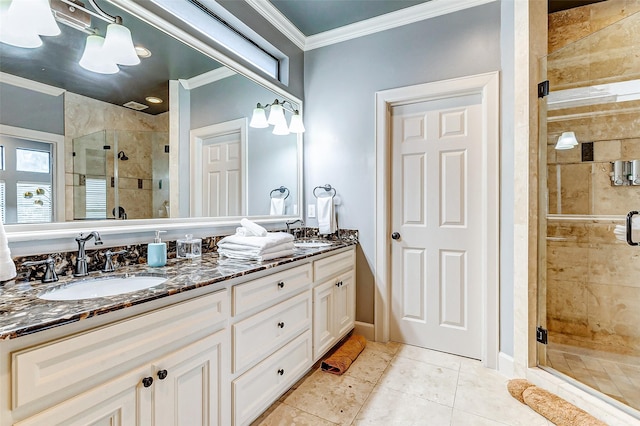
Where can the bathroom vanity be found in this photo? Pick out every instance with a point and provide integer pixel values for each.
(216, 344)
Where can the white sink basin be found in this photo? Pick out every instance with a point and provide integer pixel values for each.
(311, 244)
(101, 287)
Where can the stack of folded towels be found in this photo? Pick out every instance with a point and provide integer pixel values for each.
(252, 242)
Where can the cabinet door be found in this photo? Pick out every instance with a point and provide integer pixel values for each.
(345, 303)
(324, 335)
(188, 384)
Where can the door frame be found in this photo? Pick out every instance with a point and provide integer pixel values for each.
(487, 85)
(195, 176)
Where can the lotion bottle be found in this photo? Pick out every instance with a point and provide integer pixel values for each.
(157, 252)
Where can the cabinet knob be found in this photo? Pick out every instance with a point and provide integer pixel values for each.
(281, 284)
(281, 372)
(281, 324)
(162, 374)
(147, 381)
(339, 284)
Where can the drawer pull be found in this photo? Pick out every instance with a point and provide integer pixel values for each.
(281, 284)
(339, 284)
(162, 374)
(281, 324)
(281, 372)
(147, 381)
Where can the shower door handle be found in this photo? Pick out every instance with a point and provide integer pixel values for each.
(630, 228)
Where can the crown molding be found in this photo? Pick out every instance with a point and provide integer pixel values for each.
(25, 83)
(207, 78)
(399, 18)
(405, 16)
(278, 20)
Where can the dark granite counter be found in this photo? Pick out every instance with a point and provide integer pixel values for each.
(23, 313)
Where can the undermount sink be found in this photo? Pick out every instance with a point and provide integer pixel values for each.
(101, 287)
(311, 243)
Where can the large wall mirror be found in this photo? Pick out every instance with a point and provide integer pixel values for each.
(167, 160)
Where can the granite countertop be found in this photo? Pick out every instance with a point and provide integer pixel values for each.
(23, 313)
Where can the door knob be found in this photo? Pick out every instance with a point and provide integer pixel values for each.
(395, 236)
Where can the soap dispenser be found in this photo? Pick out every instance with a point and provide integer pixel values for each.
(157, 252)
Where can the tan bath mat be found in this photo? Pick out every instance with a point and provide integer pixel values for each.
(342, 358)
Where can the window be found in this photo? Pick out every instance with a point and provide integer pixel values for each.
(31, 160)
(33, 203)
(96, 202)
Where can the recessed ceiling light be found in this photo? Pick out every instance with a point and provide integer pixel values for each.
(154, 100)
(142, 52)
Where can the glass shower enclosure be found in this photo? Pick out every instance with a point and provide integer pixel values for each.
(589, 283)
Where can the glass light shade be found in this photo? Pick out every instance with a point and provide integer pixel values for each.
(14, 26)
(258, 119)
(118, 45)
(296, 125)
(41, 17)
(281, 129)
(276, 116)
(94, 60)
(567, 141)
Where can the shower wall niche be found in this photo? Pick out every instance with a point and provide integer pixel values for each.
(121, 174)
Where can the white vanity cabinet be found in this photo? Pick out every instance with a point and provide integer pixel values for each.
(334, 301)
(166, 367)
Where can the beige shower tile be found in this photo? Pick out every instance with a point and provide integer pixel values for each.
(369, 365)
(630, 149)
(567, 307)
(610, 200)
(602, 233)
(568, 156)
(331, 397)
(576, 232)
(284, 415)
(552, 188)
(613, 315)
(575, 188)
(607, 150)
(619, 269)
(567, 263)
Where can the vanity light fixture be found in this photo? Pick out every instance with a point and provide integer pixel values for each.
(276, 118)
(24, 21)
(567, 141)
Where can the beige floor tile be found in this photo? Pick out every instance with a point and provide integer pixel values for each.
(390, 347)
(331, 397)
(440, 359)
(484, 392)
(388, 407)
(462, 418)
(369, 365)
(285, 415)
(420, 379)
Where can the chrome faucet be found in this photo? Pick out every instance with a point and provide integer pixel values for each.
(302, 228)
(108, 262)
(50, 275)
(81, 260)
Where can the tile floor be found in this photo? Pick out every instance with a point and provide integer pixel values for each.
(393, 384)
(612, 374)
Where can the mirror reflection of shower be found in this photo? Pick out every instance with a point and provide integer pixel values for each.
(120, 175)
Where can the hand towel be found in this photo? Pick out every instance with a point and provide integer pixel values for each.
(253, 227)
(620, 231)
(272, 239)
(277, 207)
(234, 254)
(7, 267)
(326, 215)
(255, 251)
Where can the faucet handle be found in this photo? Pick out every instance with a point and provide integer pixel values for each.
(108, 262)
(50, 274)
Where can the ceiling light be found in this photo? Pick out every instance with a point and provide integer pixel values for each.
(142, 52)
(153, 100)
(567, 141)
(93, 58)
(277, 118)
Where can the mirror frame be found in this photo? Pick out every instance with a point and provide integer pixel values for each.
(24, 233)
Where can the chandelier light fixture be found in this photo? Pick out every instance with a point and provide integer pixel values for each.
(24, 21)
(276, 118)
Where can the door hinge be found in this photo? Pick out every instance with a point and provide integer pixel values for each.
(543, 89)
(541, 335)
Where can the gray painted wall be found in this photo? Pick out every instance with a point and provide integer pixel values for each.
(340, 84)
(31, 110)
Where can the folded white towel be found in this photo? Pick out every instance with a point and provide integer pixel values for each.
(272, 239)
(7, 267)
(620, 231)
(327, 223)
(253, 228)
(253, 250)
(277, 207)
(234, 254)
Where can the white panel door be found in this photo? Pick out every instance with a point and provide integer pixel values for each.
(222, 176)
(436, 210)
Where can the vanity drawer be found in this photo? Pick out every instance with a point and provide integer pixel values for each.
(267, 290)
(333, 265)
(255, 390)
(65, 367)
(261, 334)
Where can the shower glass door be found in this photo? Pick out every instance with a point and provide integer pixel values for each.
(589, 284)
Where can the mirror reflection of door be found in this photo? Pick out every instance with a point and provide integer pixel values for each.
(90, 183)
(222, 175)
(26, 181)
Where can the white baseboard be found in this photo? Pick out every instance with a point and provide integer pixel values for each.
(505, 365)
(365, 329)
